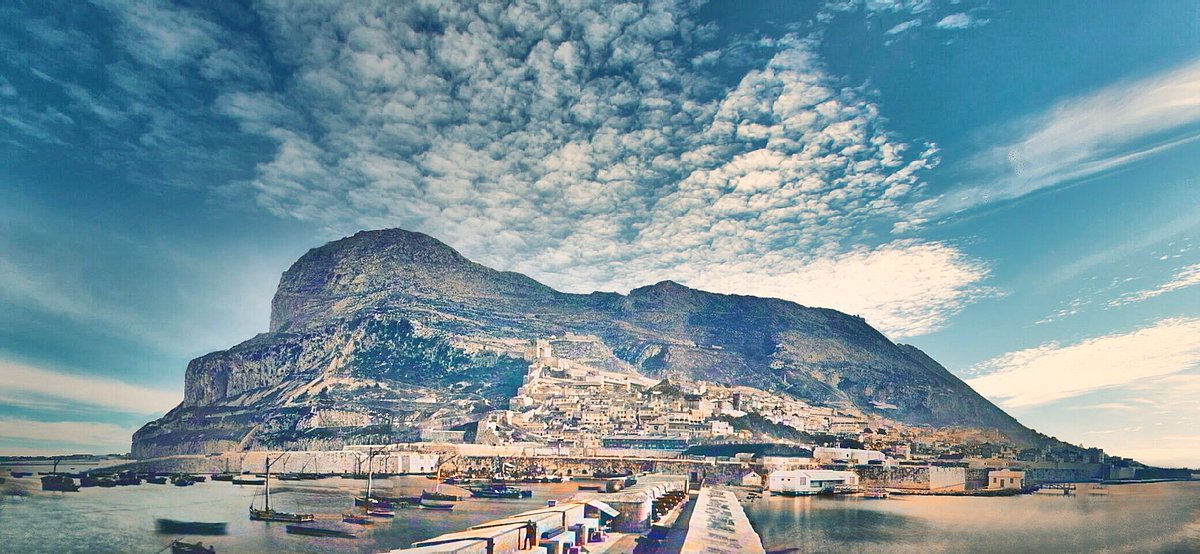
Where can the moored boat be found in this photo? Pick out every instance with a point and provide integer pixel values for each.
(268, 514)
(157, 480)
(437, 504)
(181, 547)
(320, 532)
(357, 519)
(59, 483)
(500, 491)
(248, 481)
(166, 526)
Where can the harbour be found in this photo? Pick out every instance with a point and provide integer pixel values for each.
(656, 513)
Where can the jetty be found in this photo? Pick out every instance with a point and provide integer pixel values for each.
(556, 529)
(718, 525)
(656, 515)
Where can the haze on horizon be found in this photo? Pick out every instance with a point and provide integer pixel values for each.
(1009, 188)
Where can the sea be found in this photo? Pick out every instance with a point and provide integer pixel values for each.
(1158, 517)
(1149, 517)
(122, 519)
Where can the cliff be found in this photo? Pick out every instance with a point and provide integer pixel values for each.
(375, 324)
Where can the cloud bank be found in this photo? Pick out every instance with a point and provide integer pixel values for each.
(590, 145)
(1054, 372)
(32, 387)
(596, 147)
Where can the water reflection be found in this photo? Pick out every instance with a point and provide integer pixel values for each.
(122, 519)
(1163, 517)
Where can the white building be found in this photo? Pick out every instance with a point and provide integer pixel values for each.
(753, 479)
(854, 456)
(1006, 479)
(798, 482)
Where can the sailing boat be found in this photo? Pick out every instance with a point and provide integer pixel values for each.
(436, 499)
(372, 506)
(266, 513)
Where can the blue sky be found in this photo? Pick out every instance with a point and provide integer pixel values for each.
(1009, 186)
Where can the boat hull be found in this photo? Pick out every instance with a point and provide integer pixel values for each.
(173, 527)
(319, 532)
(272, 515)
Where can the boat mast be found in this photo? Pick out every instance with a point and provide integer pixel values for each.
(267, 482)
(267, 479)
(370, 457)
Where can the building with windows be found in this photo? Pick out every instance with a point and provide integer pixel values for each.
(645, 442)
(797, 482)
(1006, 479)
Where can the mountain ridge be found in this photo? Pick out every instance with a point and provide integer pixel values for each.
(340, 306)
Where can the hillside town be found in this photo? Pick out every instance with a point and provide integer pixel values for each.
(577, 400)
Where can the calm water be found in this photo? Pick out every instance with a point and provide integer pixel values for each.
(1161, 517)
(121, 519)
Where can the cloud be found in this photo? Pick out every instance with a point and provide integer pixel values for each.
(1068, 142)
(83, 436)
(586, 152)
(581, 144)
(33, 387)
(901, 27)
(1185, 277)
(905, 288)
(960, 21)
(1054, 372)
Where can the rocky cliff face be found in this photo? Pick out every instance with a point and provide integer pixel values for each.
(374, 324)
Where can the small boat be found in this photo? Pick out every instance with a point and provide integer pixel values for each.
(439, 495)
(199, 478)
(59, 483)
(180, 547)
(320, 532)
(436, 505)
(174, 527)
(437, 499)
(268, 514)
(274, 515)
(248, 481)
(875, 494)
(183, 481)
(106, 482)
(500, 491)
(375, 502)
(223, 477)
(128, 479)
(157, 480)
(20, 474)
(357, 519)
(380, 512)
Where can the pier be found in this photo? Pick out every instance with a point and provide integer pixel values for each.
(559, 528)
(710, 522)
(718, 525)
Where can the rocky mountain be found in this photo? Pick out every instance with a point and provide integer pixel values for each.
(379, 334)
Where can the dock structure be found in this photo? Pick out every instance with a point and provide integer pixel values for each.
(718, 525)
(636, 503)
(555, 529)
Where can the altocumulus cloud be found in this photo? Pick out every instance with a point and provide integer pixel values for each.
(591, 145)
